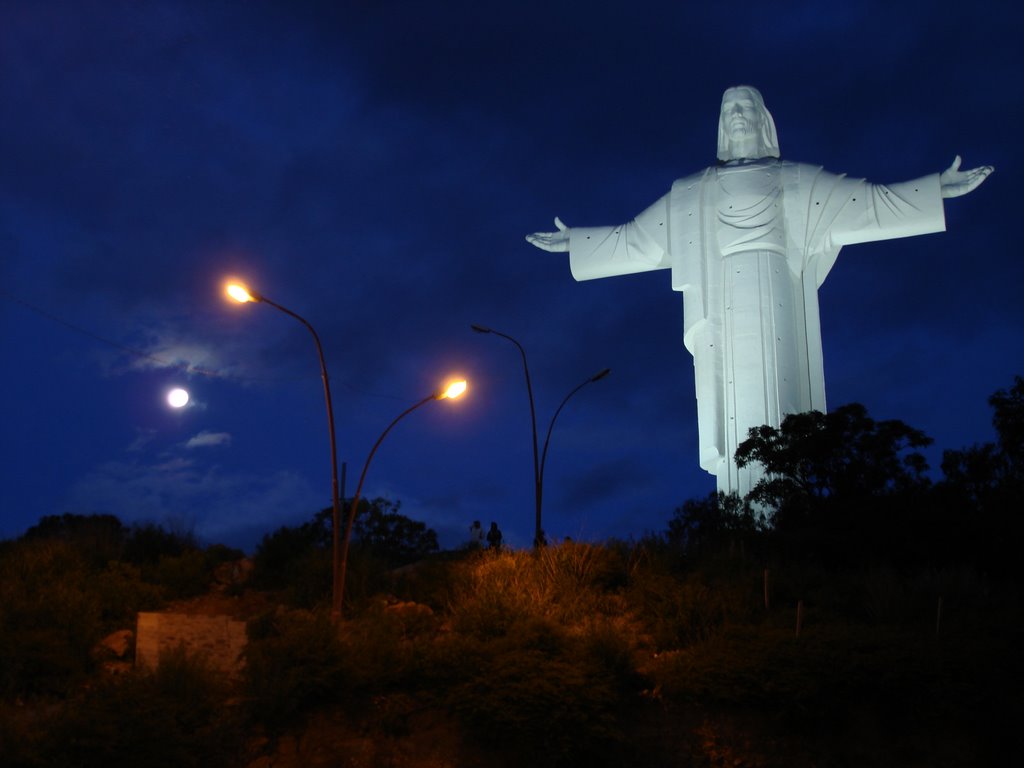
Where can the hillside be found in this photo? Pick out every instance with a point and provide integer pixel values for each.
(581, 654)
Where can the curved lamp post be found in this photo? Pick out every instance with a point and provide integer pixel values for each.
(453, 390)
(544, 454)
(538, 462)
(241, 294)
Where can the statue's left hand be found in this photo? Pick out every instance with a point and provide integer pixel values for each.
(954, 182)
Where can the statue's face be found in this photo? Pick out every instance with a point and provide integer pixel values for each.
(741, 117)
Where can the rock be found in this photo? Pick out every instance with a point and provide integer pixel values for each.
(115, 645)
(413, 618)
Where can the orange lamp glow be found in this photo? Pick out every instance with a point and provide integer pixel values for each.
(239, 293)
(453, 390)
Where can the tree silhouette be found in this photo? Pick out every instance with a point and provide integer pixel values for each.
(815, 460)
(708, 523)
(386, 533)
(983, 485)
(841, 485)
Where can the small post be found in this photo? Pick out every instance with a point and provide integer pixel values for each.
(799, 616)
(767, 602)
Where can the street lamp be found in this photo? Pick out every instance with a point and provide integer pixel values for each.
(538, 463)
(241, 294)
(453, 390)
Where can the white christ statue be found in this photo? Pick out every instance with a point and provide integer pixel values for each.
(749, 242)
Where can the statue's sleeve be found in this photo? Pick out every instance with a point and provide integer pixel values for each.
(835, 210)
(886, 211)
(638, 246)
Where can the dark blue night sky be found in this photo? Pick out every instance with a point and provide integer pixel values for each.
(374, 166)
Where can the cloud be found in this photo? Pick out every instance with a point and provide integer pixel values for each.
(207, 438)
(189, 356)
(223, 506)
(608, 480)
(143, 438)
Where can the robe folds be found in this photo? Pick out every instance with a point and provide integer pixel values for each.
(750, 278)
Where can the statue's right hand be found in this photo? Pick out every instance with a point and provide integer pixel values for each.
(555, 242)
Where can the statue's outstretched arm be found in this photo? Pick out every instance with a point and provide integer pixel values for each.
(556, 242)
(955, 182)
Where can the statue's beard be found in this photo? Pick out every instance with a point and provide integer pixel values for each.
(742, 131)
(746, 148)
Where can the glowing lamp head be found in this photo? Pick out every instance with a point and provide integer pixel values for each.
(453, 390)
(239, 293)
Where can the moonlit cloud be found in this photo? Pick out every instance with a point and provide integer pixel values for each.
(142, 439)
(189, 356)
(206, 439)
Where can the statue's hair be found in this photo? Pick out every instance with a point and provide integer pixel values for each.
(769, 138)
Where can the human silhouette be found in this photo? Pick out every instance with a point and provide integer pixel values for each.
(476, 535)
(494, 537)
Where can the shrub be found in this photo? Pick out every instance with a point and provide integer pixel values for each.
(541, 703)
(181, 576)
(678, 612)
(614, 644)
(50, 617)
(294, 561)
(571, 567)
(567, 583)
(100, 538)
(122, 594)
(390, 647)
(172, 716)
(148, 542)
(293, 662)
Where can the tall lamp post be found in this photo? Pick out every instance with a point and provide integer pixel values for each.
(452, 391)
(539, 461)
(241, 294)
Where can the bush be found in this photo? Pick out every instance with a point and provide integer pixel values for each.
(50, 617)
(679, 612)
(172, 716)
(391, 647)
(182, 576)
(540, 702)
(100, 538)
(293, 662)
(149, 542)
(567, 583)
(122, 594)
(294, 561)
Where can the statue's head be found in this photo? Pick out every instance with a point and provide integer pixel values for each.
(746, 130)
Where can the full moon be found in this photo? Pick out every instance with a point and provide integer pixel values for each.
(177, 398)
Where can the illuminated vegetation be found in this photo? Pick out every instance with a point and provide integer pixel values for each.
(683, 648)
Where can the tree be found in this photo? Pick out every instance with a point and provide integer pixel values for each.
(380, 529)
(100, 537)
(149, 542)
(1008, 419)
(708, 522)
(992, 474)
(983, 485)
(840, 472)
(297, 559)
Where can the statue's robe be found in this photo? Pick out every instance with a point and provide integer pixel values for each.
(748, 245)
